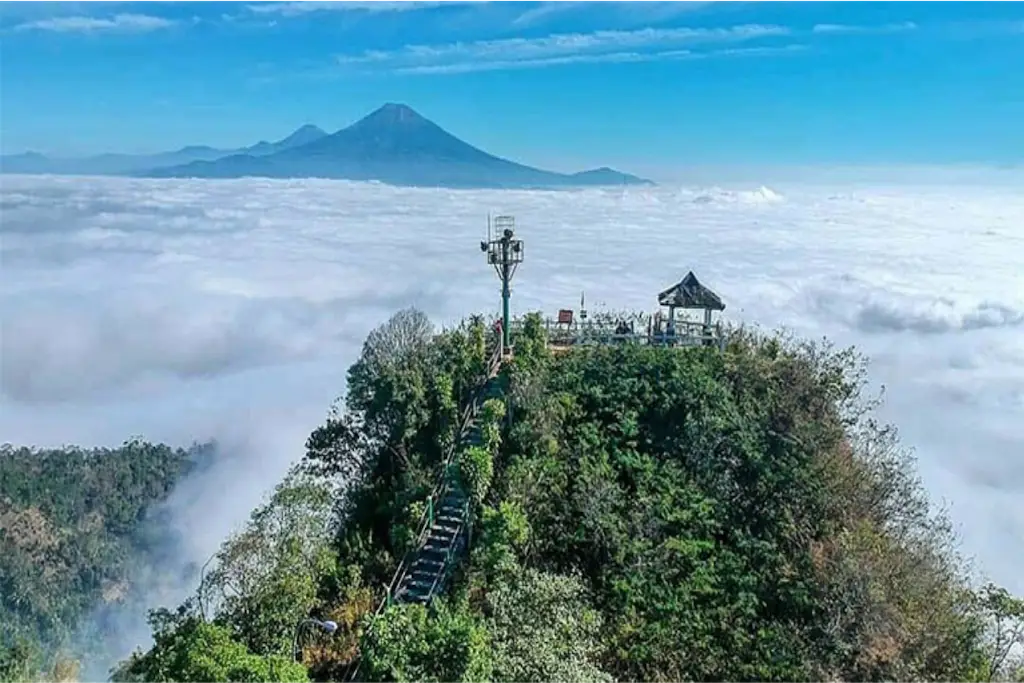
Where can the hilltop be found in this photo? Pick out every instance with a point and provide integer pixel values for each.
(398, 146)
(647, 514)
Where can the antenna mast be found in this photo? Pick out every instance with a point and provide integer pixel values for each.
(504, 253)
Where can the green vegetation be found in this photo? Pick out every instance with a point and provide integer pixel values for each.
(72, 528)
(651, 514)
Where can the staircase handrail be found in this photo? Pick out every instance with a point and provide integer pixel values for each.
(440, 488)
(449, 551)
(468, 413)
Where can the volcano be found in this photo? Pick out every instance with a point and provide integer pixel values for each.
(394, 145)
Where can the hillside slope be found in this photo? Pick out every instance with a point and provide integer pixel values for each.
(73, 527)
(651, 514)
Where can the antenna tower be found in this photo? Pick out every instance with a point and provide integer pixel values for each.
(505, 253)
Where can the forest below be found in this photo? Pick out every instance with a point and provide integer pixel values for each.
(75, 526)
(636, 514)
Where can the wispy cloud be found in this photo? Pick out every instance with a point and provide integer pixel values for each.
(626, 13)
(292, 9)
(848, 28)
(604, 46)
(607, 58)
(126, 23)
(501, 65)
(565, 48)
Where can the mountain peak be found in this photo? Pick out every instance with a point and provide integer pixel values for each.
(310, 128)
(301, 136)
(392, 114)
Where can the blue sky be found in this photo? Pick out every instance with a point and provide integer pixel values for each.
(565, 85)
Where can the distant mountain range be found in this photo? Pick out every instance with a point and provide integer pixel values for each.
(128, 164)
(393, 145)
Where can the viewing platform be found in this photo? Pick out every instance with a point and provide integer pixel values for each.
(671, 326)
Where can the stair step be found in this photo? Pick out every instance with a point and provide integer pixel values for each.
(424, 576)
(427, 564)
(434, 555)
(420, 585)
(439, 549)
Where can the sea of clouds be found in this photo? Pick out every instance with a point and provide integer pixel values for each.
(185, 310)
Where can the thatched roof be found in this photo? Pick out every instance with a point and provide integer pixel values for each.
(690, 293)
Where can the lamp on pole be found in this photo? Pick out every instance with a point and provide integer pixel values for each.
(504, 253)
(328, 627)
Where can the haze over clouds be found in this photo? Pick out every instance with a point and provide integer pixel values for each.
(184, 310)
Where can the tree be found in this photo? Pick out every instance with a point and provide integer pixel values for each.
(1004, 617)
(404, 644)
(187, 648)
(267, 576)
(404, 336)
(543, 629)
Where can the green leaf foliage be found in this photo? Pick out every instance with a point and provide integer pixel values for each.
(669, 514)
(74, 525)
(189, 649)
(407, 644)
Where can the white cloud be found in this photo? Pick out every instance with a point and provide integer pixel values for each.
(127, 23)
(637, 45)
(624, 13)
(502, 65)
(557, 48)
(292, 9)
(606, 58)
(184, 310)
(849, 28)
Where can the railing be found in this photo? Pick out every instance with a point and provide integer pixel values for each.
(443, 482)
(629, 329)
(449, 552)
(440, 489)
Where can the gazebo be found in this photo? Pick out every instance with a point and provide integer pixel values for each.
(690, 294)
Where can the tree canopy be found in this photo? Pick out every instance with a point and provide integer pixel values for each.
(651, 514)
(74, 523)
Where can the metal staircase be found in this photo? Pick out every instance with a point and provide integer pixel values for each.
(446, 524)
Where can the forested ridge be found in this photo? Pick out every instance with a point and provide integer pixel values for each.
(645, 514)
(74, 524)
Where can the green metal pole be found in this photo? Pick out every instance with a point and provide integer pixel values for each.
(505, 331)
(505, 294)
(430, 511)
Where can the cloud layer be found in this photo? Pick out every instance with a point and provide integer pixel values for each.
(185, 310)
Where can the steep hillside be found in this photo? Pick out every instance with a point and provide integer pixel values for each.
(651, 514)
(73, 526)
